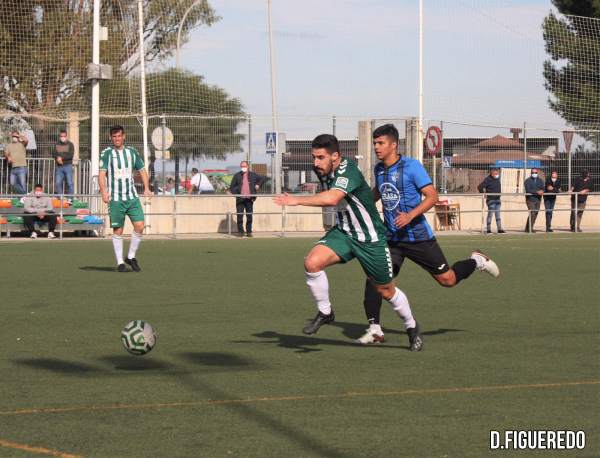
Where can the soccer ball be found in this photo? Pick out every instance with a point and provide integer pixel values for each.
(138, 337)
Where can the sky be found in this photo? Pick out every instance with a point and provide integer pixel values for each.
(358, 59)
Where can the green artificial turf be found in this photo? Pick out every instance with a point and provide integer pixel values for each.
(232, 374)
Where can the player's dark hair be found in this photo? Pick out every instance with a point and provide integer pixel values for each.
(388, 130)
(327, 141)
(62, 131)
(38, 185)
(116, 129)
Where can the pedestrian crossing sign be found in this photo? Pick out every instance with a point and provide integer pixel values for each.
(271, 142)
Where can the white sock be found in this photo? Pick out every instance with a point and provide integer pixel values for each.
(118, 247)
(319, 287)
(136, 239)
(402, 308)
(478, 259)
(376, 329)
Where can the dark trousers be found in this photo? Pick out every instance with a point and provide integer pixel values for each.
(241, 205)
(576, 215)
(549, 203)
(30, 219)
(533, 205)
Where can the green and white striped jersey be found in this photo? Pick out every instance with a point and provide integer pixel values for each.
(357, 215)
(119, 166)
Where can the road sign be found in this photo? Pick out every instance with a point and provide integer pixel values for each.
(271, 142)
(433, 140)
(157, 138)
(447, 162)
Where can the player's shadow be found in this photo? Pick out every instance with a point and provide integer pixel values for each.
(58, 365)
(136, 363)
(355, 330)
(98, 269)
(300, 343)
(218, 361)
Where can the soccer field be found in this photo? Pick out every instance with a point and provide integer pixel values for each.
(232, 374)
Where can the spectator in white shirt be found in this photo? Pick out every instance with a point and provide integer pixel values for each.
(200, 183)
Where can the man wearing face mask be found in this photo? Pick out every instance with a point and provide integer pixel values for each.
(38, 208)
(534, 189)
(244, 185)
(16, 155)
(63, 155)
(491, 185)
(551, 188)
(582, 185)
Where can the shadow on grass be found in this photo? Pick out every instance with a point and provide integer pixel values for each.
(137, 363)
(98, 269)
(355, 330)
(58, 365)
(217, 359)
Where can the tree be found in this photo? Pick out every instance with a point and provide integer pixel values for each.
(46, 45)
(210, 121)
(571, 73)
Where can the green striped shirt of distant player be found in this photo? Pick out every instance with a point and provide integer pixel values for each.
(119, 166)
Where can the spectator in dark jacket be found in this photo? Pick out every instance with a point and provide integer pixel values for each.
(63, 154)
(534, 189)
(582, 185)
(551, 188)
(490, 186)
(244, 185)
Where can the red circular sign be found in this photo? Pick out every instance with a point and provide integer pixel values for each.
(433, 140)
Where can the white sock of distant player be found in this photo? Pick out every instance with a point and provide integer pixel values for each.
(117, 241)
(136, 239)
(319, 287)
(400, 304)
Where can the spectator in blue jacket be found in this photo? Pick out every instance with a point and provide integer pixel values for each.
(534, 190)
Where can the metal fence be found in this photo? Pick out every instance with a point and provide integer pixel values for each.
(189, 216)
(457, 160)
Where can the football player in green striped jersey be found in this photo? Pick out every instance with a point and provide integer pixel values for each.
(117, 165)
(360, 233)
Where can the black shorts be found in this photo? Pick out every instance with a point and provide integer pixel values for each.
(427, 254)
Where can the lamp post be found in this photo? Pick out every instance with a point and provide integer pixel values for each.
(185, 15)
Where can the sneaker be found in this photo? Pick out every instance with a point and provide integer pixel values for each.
(579, 229)
(51, 235)
(319, 320)
(414, 338)
(33, 235)
(249, 234)
(133, 264)
(372, 336)
(122, 268)
(549, 230)
(488, 231)
(485, 264)
(501, 231)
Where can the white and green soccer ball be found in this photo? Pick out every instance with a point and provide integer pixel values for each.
(138, 337)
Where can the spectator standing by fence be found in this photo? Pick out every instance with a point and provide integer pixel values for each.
(581, 185)
(534, 189)
(63, 154)
(16, 155)
(200, 183)
(245, 184)
(551, 188)
(38, 208)
(491, 185)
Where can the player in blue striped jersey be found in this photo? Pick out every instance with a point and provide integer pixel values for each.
(401, 183)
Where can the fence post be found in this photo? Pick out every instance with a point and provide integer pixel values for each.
(575, 226)
(61, 213)
(524, 152)
(249, 155)
(283, 221)
(482, 211)
(174, 224)
(228, 223)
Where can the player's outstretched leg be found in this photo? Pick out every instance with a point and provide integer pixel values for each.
(485, 263)
(372, 304)
(316, 279)
(401, 306)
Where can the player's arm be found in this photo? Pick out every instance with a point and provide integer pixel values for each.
(376, 194)
(102, 184)
(328, 198)
(146, 181)
(431, 197)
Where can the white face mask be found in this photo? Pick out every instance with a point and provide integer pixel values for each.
(496, 176)
(244, 169)
(553, 179)
(15, 139)
(38, 193)
(534, 175)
